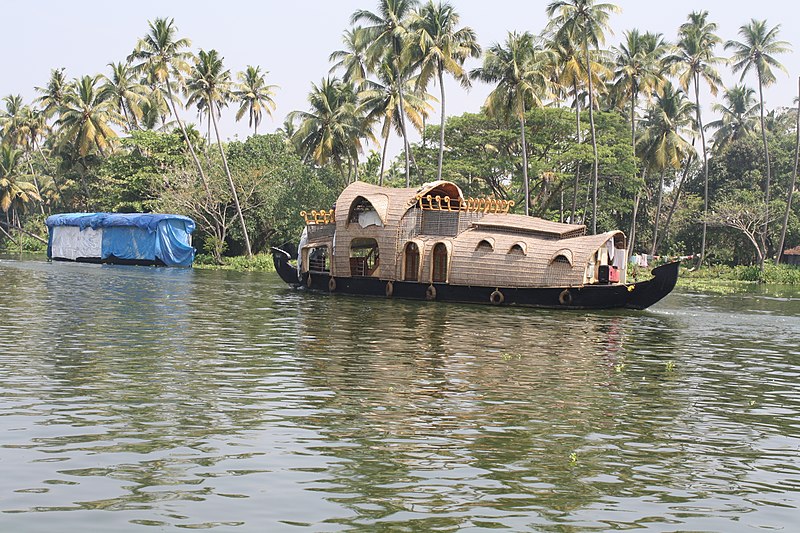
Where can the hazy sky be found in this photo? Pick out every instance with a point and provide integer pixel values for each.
(292, 40)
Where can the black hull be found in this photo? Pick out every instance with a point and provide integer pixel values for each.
(630, 296)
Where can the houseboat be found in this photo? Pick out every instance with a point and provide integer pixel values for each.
(123, 238)
(431, 243)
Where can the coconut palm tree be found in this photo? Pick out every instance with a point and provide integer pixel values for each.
(209, 87)
(352, 60)
(693, 61)
(53, 93)
(333, 127)
(380, 101)
(663, 143)
(255, 96)
(440, 46)
(585, 22)
(639, 69)
(13, 191)
(738, 116)
(757, 51)
(794, 177)
(125, 92)
(386, 32)
(520, 71)
(570, 77)
(163, 57)
(86, 117)
(13, 120)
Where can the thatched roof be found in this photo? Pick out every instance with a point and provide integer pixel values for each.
(529, 225)
(390, 203)
(792, 251)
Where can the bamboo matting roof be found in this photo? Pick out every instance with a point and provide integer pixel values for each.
(530, 225)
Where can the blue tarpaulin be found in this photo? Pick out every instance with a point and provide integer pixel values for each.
(129, 236)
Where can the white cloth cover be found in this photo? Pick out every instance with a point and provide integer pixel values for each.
(369, 218)
(69, 242)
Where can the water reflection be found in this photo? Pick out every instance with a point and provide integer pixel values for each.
(211, 399)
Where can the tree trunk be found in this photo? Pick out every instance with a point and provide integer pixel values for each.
(705, 168)
(441, 128)
(675, 201)
(766, 185)
(594, 139)
(658, 213)
(525, 164)
(403, 128)
(230, 183)
(632, 235)
(35, 182)
(794, 180)
(577, 163)
(383, 154)
(189, 143)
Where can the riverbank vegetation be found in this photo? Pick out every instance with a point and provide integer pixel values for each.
(573, 130)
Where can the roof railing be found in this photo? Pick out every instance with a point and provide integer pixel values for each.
(470, 205)
(318, 217)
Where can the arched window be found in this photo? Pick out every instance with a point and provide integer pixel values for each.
(412, 262)
(485, 246)
(439, 263)
(364, 257)
(517, 249)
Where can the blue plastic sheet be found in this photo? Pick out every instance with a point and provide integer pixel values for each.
(136, 236)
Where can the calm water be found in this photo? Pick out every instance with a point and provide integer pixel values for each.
(153, 399)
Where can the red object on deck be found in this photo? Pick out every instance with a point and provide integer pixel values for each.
(613, 274)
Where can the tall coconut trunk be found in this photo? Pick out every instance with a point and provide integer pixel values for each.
(632, 236)
(383, 155)
(189, 143)
(230, 183)
(35, 182)
(658, 213)
(403, 128)
(441, 128)
(577, 163)
(766, 185)
(675, 201)
(525, 164)
(594, 138)
(705, 168)
(794, 180)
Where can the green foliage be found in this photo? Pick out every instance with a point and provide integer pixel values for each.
(130, 180)
(258, 263)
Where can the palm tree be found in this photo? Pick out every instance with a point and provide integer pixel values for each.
(519, 69)
(794, 177)
(209, 87)
(386, 31)
(12, 120)
(663, 145)
(756, 52)
(639, 69)
(441, 47)
(126, 93)
(585, 22)
(255, 96)
(738, 116)
(331, 130)
(162, 57)
(86, 117)
(380, 101)
(52, 94)
(13, 191)
(353, 58)
(693, 60)
(569, 77)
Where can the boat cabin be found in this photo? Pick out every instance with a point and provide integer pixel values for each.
(433, 234)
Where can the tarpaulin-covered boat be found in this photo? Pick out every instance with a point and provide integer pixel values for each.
(432, 243)
(125, 238)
